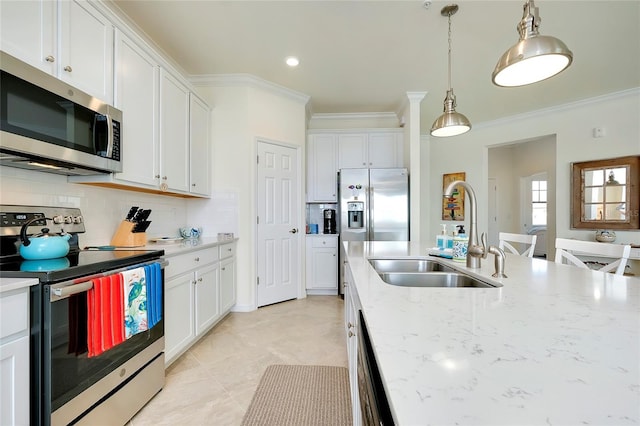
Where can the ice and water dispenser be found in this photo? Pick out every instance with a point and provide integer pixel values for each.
(355, 214)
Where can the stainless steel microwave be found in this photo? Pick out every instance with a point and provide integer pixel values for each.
(47, 125)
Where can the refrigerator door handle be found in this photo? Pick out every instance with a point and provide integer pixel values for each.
(370, 211)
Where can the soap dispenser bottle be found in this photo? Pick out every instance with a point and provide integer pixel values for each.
(441, 239)
(460, 243)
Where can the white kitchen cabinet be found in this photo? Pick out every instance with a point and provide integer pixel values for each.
(14, 357)
(351, 309)
(207, 283)
(322, 167)
(78, 50)
(28, 31)
(352, 151)
(174, 133)
(322, 265)
(372, 149)
(166, 145)
(179, 311)
(227, 276)
(191, 299)
(199, 152)
(137, 91)
(384, 150)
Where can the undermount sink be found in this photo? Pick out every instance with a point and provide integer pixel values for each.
(424, 273)
(434, 279)
(408, 265)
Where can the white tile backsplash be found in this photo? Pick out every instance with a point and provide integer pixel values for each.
(104, 208)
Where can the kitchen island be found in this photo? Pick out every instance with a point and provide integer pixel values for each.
(555, 345)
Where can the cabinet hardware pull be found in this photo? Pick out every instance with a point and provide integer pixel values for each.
(350, 325)
(294, 230)
(197, 259)
(193, 184)
(224, 269)
(50, 59)
(351, 334)
(68, 68)
(200, 279)
(164, 178)
(157, 176)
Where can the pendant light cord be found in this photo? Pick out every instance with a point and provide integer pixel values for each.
(449, 40)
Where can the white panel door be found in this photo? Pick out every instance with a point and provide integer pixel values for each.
(278, 217)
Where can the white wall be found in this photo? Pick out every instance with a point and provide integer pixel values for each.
(572, 125)
(508, 164)
(242, 114)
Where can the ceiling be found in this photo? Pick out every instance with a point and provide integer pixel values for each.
(364, 56)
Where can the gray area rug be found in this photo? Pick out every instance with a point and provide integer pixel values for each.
(301, 395)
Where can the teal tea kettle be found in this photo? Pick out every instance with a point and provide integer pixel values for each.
(44, 245)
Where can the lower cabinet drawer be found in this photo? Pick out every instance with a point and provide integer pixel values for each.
(227, 250)
(188, 261)
(317, 242)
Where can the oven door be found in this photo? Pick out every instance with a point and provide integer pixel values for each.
(72, 382)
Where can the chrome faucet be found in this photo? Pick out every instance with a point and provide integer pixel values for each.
(475, 251)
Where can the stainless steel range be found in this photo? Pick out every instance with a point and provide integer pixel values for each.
(69, 383)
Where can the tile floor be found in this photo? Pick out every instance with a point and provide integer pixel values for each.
(214, 381)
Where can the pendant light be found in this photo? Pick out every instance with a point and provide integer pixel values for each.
(534, 58)
(450, 123)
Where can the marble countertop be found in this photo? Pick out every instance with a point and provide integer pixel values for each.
(555, 345)
(186, 246)
(8, 284)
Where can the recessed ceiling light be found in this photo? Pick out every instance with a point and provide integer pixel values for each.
(292, 61)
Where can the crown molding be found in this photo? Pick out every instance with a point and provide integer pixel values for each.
(559, 108)
(353, 116)
(243, 80)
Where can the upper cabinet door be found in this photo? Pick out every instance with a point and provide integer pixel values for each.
(199, 158)
(174, 133)
(352, 151)
(28, 32)
(86, 49)
(322, 167)
(385, 150)
(137, 88)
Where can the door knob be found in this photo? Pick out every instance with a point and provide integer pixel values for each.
(294, 230)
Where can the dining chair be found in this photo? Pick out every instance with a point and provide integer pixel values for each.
(529, 240)
(566, 250)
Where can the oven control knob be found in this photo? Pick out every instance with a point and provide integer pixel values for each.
(77, 219)
(68, 219)
(58, 219)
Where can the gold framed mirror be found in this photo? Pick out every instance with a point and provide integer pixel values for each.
(605, 194)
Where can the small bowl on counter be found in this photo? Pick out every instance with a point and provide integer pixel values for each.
(191, 233)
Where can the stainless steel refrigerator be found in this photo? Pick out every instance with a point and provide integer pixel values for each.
(374, 206)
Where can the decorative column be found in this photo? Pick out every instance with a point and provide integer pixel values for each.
(412, 132)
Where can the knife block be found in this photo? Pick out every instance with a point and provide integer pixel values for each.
(124, 237)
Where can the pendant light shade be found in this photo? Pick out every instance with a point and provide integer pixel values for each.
(450, 123)
(534, 58)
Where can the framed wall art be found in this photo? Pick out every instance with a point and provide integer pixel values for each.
(453, 207)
